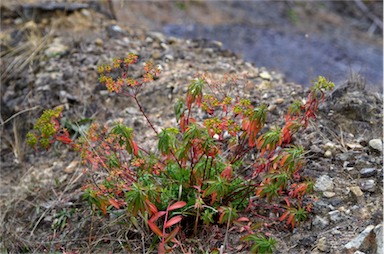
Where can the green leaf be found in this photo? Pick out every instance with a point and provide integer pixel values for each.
(179, 109)
(259, 114)
(196, 87)
(261, 243)
(167, 140)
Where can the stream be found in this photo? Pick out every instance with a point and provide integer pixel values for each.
(300, 57)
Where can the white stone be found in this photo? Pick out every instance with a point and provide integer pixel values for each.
(328, 154)
(265, 75)
(329, 194)
(368, 185)
(324, 183)
(335, 216)
(379, 238)
(376, 144)
(358, 241)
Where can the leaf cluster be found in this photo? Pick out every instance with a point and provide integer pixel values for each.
(197, 172)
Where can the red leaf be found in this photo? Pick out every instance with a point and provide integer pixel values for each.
(284, 216)
(135, 148)
(172, 234)
(173, 221)
(290, 220)
(151, 206)
(114, 203)
(242, 219)
(161, 249)
(156, 216)
(214, 196)
(177, 205)
(287, 201)
(155, 228)
(64, 139)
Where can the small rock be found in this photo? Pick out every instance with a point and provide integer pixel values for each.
(323, 245)
(361, 240)
(348, 165)
(85, 12)
(71, 167)
(131, 111)
(316, 149)
(99, 42)
(329, 145)
(354, 146)
(335, 216)
(168, 58)
(356, 192)
(336, 232)
(279, 100)
(156, 54)
(115, 31)
(368, 185)
(368, 172)
(158, 36)
(328, 154)
(364, 213)
(57, 48)
(379, 238)
(265, 75)
(320, 222)
(343, 156)
(271, 108)
(328, 194)
(376, 144)
(164, 46)
(324, 183)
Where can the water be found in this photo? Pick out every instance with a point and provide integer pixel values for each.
(301, 57)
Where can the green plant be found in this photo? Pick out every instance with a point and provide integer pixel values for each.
(198, 166)
(261, 244)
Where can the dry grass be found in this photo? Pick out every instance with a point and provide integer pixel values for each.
(25, 54)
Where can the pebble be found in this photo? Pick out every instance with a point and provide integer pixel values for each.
(328, 194)
(323, 245)
(368, 185)
(356, 192)
(376, 144)
(56, 48)
(316, 149)
(324, 183)
(279, 100)
(99, 42)
(330, 145)
(335, 216)
(71, 167)
(168, 58)
(320, 222)
(354, 146)
(360, 240)
(271, 108)
(156, 54)
(328, 154)
(368, 172)
(379, 238)
(343, 156)
(265, 75)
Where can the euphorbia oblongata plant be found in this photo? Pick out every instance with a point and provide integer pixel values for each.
(201, 171)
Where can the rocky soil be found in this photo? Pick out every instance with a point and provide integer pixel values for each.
(52, 61)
